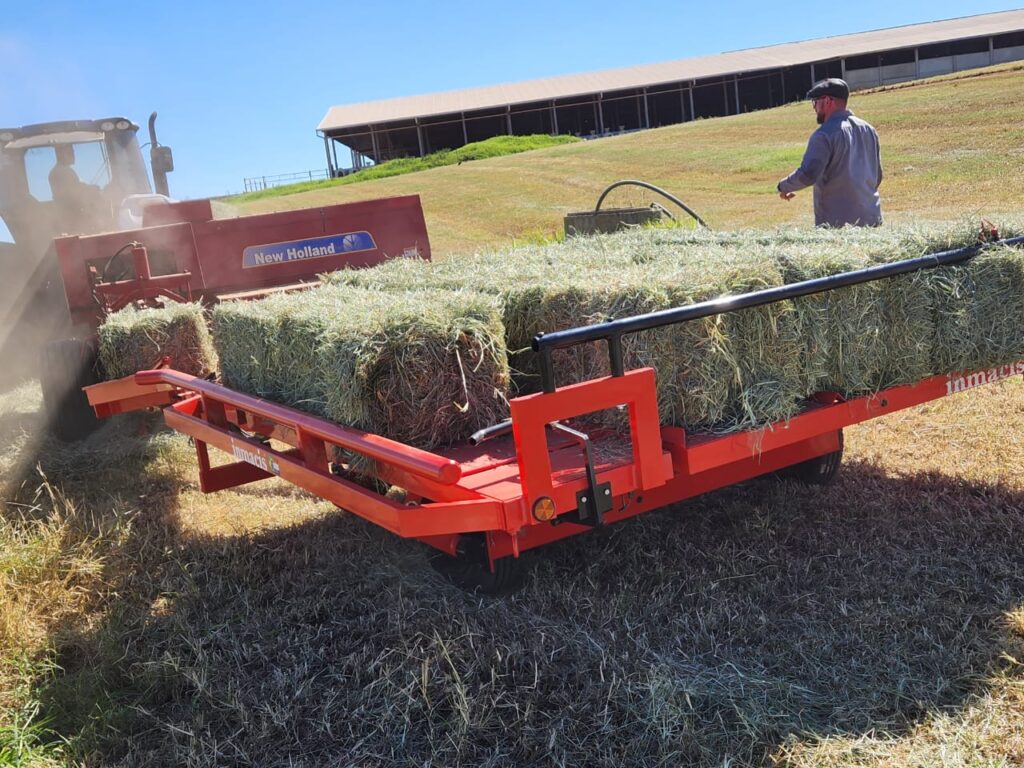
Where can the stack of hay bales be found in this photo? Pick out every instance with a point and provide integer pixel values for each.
(423, 367)
(133, 339)
(727, 372)
(421, 351)
(752, 367)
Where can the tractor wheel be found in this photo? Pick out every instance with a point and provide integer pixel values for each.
(470, 571)
(818, 471)
(67, 366)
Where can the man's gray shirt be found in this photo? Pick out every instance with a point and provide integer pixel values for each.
(844, 164)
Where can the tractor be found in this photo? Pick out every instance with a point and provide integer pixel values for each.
(91, 238)
(72, 177)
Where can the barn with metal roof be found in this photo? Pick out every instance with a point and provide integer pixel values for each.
(614, 101)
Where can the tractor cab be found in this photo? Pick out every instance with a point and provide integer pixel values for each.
(73, 177)
(70, 177)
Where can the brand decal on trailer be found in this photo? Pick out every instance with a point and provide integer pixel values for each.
(959, 382)
(255, 457)
(311, 248)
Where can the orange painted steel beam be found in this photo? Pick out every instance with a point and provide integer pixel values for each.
(259, 462)
(215, 396)
(531, 415)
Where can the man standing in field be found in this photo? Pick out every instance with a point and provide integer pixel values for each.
(842, 162)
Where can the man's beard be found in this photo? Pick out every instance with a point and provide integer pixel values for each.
(821, 118)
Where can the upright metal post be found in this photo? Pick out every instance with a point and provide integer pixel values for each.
(327, 150)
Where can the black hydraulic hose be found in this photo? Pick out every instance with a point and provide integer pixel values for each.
(110, 261)
(653, 188)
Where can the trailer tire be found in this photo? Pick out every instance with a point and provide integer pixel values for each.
(818, 471)
(67, 366)
(470, 571)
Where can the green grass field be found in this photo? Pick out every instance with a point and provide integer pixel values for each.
(877, 622)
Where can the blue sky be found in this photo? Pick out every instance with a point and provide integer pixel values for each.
(241, 86)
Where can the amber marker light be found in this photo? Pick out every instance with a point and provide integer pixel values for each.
(544, 509)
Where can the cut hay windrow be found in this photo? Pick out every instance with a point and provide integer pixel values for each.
(423, 367)
(136, 339)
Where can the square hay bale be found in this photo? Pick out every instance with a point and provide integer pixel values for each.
(423, 367)
(255, 356)
(735, 370)
(865, 337)
(979, 311)
(133, 339)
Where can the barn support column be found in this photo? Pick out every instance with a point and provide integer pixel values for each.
(327, 151)
(419, 138)
(647, 111)
(554, 118)
(465, 133)
(693, 112)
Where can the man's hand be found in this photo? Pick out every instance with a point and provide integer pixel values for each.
(787, 195)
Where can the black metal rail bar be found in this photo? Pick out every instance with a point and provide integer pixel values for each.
(613, 331)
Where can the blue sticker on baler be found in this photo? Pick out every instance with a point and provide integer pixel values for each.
(312, 248)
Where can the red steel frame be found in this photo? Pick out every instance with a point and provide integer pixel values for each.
(492, 488)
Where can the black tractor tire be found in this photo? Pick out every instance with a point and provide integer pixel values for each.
(818, 471)
(470, 571)
(67, 366)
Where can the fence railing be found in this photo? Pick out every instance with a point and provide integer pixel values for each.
(256, 183)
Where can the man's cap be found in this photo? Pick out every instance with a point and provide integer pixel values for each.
(833, 86)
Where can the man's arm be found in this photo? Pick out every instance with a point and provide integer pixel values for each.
(811, 167)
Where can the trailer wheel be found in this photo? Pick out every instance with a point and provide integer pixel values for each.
(818, 471)
(67, 366)
(470, 571)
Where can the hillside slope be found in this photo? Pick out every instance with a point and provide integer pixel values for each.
(949, 145)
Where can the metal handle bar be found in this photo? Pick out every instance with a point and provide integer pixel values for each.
(613, 330)
(659, 190)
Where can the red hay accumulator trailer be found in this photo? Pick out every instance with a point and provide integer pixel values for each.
(533, 479)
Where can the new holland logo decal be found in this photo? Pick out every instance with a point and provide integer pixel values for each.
(301, 250)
